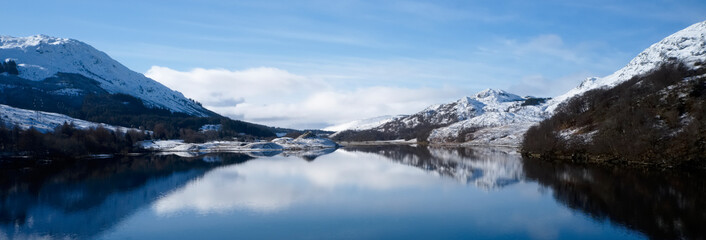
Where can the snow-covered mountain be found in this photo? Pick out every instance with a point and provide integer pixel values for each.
(489, 107)
(687, 46)
(495, 117)
(40, 57)
(44, 121)
(650, 112)
(506, 114)
(453, 122)
(363, 124)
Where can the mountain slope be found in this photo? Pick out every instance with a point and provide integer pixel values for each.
(69, 77)
(40, 57)
(500, 122)
(688, 46)
(44, 121)
(653, 119)
(650, 112)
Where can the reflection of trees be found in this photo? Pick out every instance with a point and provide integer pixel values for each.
(484, 167)
(662, 205)
(84, 197)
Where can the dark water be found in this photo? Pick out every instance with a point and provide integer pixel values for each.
(391, 192)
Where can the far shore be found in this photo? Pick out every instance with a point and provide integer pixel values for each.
(412, 142)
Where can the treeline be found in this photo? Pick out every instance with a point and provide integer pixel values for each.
(188, 130)
(92, 103)
(420, 132)
(9, 66)
(126, 110)
(68, 141)
(655, 119)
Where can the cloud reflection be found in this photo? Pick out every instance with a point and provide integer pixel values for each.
(272, 184)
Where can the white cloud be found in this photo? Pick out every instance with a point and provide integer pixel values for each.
(267, 185)
(277, 97)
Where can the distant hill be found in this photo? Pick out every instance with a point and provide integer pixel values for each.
(458, 121)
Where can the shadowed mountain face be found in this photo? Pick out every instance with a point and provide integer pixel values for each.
(82, 198)
(663, 205)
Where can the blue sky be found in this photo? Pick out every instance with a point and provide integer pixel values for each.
(304, 61)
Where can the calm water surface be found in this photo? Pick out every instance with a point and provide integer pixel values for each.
(377, 192)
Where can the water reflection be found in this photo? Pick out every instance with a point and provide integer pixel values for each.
(271, 184)
(355, 192)
(661, 204)
(483, 167)
(81, 198)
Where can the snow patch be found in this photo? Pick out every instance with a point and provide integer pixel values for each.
(46, 121)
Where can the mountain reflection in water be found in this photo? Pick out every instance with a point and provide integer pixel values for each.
(82, 198)
(661, 204)
(367, 191)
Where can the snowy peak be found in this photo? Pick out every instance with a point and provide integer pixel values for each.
(687, 46)
(489, 100)
(39, 57)
(492, 95)
(31, 41)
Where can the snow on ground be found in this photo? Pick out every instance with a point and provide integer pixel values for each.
(46, 121)
(210, 127)
(39, 57)
(500, 119)
(510, 135)
(160, 144)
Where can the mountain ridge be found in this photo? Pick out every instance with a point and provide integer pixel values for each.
(40, 57)
(687, 45)
(480, 107)
(70, 77)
